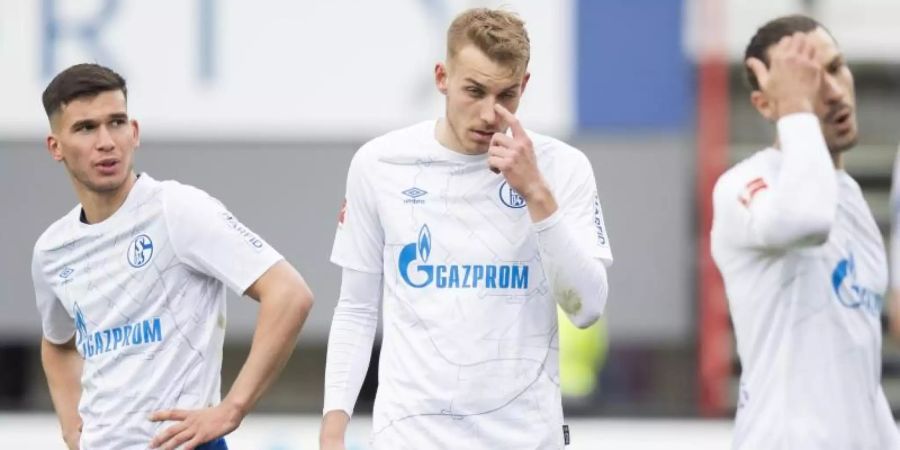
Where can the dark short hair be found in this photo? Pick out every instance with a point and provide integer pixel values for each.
(80, 80)
(769, 35)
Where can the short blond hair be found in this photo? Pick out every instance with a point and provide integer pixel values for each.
(501, 35)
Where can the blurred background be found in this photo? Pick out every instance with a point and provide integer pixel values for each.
(263, 103)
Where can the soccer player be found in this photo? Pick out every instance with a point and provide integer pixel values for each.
(130, 286)
(471, 236)
(802, 258)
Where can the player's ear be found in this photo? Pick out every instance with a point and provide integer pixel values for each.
(440, 77)
(525, 82)
(53, 147)
(761, 102)
(136, 133)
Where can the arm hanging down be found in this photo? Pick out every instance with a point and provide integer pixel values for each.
(349, 351)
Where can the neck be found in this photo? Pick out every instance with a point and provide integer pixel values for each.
(99, 206)
(838, 160)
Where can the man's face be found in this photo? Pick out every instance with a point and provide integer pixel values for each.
(95, 140)
(835, 105)
(473, 84)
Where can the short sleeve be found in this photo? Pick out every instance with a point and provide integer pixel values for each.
(58, 326)
(740, 198)
(211, 240)
(580, 202)
(359, 240)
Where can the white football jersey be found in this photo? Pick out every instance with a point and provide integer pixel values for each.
(469, 356)
(143, 293)
(807, 321)
(895, 225)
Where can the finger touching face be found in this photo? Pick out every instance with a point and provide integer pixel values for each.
(475, 86)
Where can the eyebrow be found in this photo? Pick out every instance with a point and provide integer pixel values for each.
(481, 86)
(113, 116)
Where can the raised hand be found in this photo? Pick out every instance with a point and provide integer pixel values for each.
(793, 79)
(514, 157)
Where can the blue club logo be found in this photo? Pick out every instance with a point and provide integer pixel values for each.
(140, 251)
(510, 197)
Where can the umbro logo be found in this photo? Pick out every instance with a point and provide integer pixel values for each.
(413, 195)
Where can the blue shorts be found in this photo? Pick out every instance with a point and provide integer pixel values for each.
(218, 444)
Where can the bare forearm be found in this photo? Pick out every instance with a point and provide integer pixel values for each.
(334, 428)
(279, 322)
(63, 366)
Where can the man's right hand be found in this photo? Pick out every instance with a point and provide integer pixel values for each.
(793, 78)
(334, 428)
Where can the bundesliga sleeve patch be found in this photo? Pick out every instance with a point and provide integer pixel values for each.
(342, 214)
(751, 189)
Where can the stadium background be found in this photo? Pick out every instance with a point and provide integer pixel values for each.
(263, 103)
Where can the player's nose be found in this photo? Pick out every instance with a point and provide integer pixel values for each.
(487, 113)
(105, 141)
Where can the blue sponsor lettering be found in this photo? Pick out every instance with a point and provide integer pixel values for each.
(152, 332)
(145, 332)
(850, 293)
(455, 276)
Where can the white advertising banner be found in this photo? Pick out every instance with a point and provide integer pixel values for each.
(267, 69)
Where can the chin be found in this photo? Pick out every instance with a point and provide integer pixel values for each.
(840, 145)
(477, 147)
(108, 185)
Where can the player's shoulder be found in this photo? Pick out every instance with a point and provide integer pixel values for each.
(548, 147)
(175, 188)
(60, 232)
(179, 198)
(756, 168)
(395, 144)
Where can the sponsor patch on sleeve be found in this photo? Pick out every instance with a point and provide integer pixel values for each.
(751, 189)
(342, 214)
